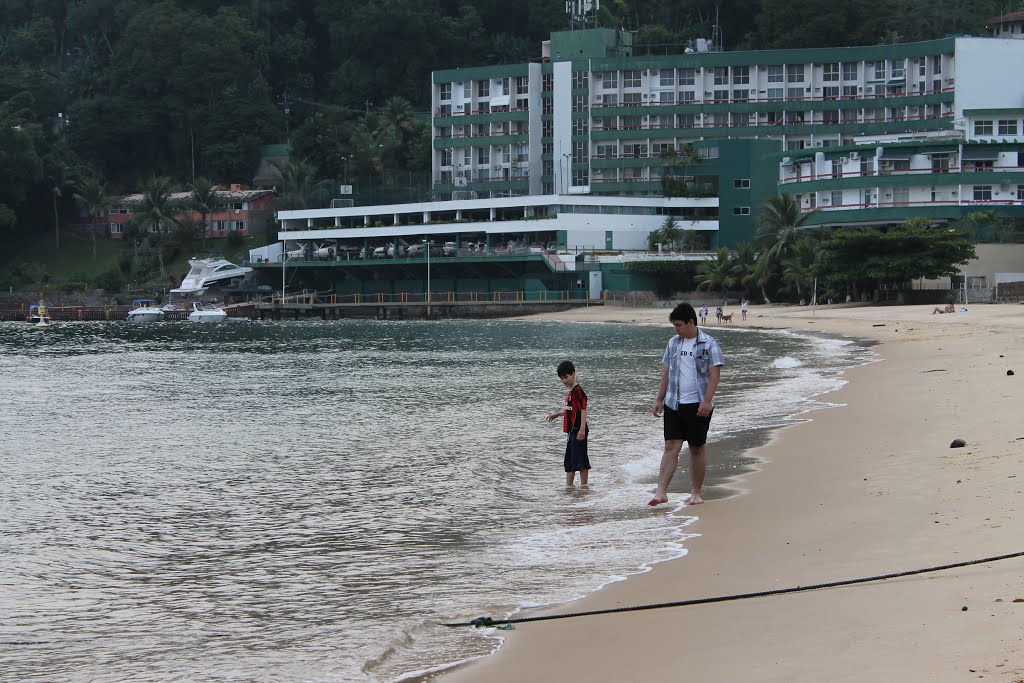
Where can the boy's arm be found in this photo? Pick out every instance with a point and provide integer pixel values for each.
(552, 416)
(582, 434)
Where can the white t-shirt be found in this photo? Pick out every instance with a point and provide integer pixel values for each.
(689, 392)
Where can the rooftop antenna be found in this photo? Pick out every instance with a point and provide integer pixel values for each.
(716, 34)
(578, 11)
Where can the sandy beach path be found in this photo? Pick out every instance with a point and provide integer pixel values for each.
(865, 488)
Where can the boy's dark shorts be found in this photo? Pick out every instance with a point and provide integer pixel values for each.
(686, 425)
(576, 458)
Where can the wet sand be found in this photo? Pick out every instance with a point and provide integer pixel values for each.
(862, 489)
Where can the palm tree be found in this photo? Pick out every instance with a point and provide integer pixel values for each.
(799, 267)
(717, 272)
(397, 121)
(91, 195)
(60, 179)
(670, 232)
(744, 264)
(156, 210)
(205, 200)
(296, 183)
(779, 226)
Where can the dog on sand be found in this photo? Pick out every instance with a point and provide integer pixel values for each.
(727, 318)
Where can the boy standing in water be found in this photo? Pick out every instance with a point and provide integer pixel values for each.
(574, 424)
(690, 373)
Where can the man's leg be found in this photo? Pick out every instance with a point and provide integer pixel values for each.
(669, 463)
(584, 475)
(569, 476)
(698, 465)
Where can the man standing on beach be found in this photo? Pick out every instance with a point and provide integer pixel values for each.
(691, 370)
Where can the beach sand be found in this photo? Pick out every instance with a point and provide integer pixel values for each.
(865, 488)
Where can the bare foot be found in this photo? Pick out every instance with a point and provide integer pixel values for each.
(658, 499)
(695, 499)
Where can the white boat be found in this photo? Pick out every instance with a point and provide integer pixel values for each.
(207, 313)
(206, 272)
(145, 311)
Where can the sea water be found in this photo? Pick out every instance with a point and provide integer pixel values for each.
(284, 501)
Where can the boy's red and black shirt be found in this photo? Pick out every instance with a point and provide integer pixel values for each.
(575, 401)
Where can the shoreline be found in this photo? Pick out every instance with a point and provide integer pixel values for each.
(855, 510)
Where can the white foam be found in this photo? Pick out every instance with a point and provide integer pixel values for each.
(786, 363)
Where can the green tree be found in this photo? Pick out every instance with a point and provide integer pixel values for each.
(205, 199)
(157, 211)
(297, 186)
(91, 195)
(717, 273)
(896, 255)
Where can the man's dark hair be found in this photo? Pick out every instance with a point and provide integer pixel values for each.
(683, 313)
(566, 368)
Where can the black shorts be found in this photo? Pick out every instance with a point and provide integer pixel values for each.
(576, 458)
(686, 425)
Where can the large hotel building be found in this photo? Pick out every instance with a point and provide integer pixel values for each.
(592, 145)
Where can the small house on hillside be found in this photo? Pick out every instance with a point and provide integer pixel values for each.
(239, 210)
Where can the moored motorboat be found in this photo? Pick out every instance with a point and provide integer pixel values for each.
(145, 311)
(206, 313)
(204, 273)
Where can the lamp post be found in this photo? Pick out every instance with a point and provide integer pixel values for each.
(426, 248)
(344, 172)
(566, 179)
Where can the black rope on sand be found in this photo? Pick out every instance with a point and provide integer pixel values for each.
(487, 621)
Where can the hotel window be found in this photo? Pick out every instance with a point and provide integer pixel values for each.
(775, 74)
(936, 65)
(483, 156)
(610, 79)
(982, 193)
(837, 198)
(740, 95)
(774, 118)
(664, 121)
(687, 96)
(446, 91)
(740, 75)
(794, 73)
(1009, 127)
(940, 163)
(837, 168)
(611, 98)
(921, 67)
(116, 229)
(776, 93)
(579, 151)
(721, 75)
(980, 166)
(1020, 193)
(523, 84)
(483, 89)
(238, 225)
(548, 83)
(547, 105)
(579, 102)
(708, 152)
(830, 72)
(686, 76)
(579, 127)
(667, 77)
(630, 79)
(505, 88)
(605, 152)
(580, 177)
(741, 183)
(720, 96)
(879, 71)
(741, 211)
(667, 97)
(446, 157)
(849, 92)
(631, 98)
(444, 110)
(830, 92)
(633, 151)
(850, 70)
(867, 197)
(794, 93)
(687, 121)
(901, 195)
(983, 128)
(632, 122)
(579, 80)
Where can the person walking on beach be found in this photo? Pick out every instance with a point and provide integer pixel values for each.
(743, 308)
(703, 314)
(574, 424)
(690, 372)
(719, 312)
